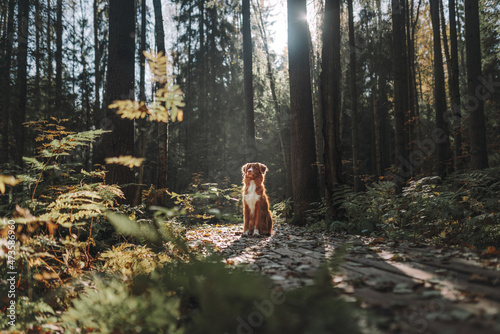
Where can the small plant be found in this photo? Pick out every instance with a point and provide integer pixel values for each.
(110, 307)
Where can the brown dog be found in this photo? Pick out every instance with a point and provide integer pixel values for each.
(256, 212)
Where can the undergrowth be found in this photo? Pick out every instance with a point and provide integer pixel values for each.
(462, 210)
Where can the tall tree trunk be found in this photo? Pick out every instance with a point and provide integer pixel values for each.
(475, 90)
(285, 147)
(120, 86)
(19, 114)
(59, 58)
(38, 24)
(385, 128)
(354, 100)
(50, 65)
(248, 80)
(376, 128)
(442, 141)
(5, 84)
(405, 169)
(330, 101)
(202, 161)
(162, 127)
(303, 157)
(85, 87)
(141, 124)
(188, 116)
(142, 58)
(97, 62)
(454, 84)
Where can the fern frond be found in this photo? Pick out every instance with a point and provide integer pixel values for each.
(7, 180)
(35, 164)
(125, 160)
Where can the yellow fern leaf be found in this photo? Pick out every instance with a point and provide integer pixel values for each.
(7, 180)
(125, 160)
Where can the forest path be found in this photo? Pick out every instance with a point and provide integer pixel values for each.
(409, 287)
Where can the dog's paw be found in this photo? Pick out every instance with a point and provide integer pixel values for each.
(245, 234)
(256, 233)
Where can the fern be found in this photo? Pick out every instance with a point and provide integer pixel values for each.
(125, 160)
(110, 307)
(79, 204)
(7, 180)
(167, 101)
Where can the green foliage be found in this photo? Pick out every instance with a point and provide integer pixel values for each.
(130, 259)
(282, 209)
(110, 307)
(464, 209)
(207, 202)
(58, 214)
(30, 313)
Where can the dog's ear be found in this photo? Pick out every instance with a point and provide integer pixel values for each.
(244, 169)
(263, 169)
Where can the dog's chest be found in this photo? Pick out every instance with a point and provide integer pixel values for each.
(251, 196)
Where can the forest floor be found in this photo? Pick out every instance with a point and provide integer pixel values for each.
(408, 287)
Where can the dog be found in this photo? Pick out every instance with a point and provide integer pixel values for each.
(256, 214)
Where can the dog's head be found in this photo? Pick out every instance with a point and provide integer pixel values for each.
(253, 170)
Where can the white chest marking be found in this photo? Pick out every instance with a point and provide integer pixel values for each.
(251, 197)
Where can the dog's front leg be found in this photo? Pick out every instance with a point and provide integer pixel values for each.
(246, 219)
(254, 230)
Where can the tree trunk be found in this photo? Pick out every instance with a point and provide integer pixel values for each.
(354, 100)
(38, 24)
(475, 91)
(162, 127)
(50, 68)
(304, 171)
(120, 86)
(97, 62)
(59, 59)
(442, 142)
(248, 80)
(142, 58)
(142, 124)
(405, 169)
(330, 101)
(5, 84)
(454, 84)
(19, 114)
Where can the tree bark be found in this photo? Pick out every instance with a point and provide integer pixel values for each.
(248, 80)
(475, 90)
(97, 62)
(59, 59)
(120, 86)
(354, 100)
(5, 84)
(302, 145)
(162, 127)
(454, 84)
(38, 23)
(19, 114)
(442, 143)
(405, 169)
(330, 101)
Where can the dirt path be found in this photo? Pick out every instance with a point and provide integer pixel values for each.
(410, 288)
